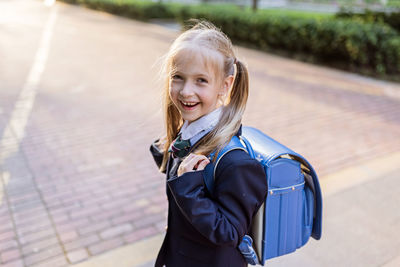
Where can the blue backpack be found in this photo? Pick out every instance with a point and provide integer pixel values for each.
(292, 210)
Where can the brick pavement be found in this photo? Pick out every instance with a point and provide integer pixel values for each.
(83, 182)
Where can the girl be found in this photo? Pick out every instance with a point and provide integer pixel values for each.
(206, 93)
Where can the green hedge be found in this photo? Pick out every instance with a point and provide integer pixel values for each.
(393, 3)
(140, 10)
(360, 44)
(326, 38)
(392, 19)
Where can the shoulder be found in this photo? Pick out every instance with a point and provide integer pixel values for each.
(238, 176)
(235, 155)
(238, 159)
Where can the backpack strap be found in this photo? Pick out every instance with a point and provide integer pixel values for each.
(209, 171)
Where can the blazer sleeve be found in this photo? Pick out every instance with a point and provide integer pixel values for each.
(157, 154)
(239, 190)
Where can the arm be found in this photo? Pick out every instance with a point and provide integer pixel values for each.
(240, 189)
(156, 153)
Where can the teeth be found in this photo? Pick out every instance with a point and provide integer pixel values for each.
(189, 104)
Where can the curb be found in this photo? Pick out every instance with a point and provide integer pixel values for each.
(353, 176)
(137, 254)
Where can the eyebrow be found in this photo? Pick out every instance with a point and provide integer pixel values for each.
(196, 74)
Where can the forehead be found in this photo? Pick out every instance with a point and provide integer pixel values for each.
(197, 61)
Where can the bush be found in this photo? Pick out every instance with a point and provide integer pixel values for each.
(327, 38)
(361, 44)
(392, 19)
(140, 10)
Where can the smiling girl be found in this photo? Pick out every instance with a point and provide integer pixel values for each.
(205, 97)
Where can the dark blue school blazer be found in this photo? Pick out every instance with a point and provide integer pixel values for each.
(204, 230)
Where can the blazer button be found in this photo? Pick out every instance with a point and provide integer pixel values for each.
(166, 228)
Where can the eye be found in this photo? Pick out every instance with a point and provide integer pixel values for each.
(202, 80)
(176, 77)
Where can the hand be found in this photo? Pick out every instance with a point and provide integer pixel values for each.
(193, 162)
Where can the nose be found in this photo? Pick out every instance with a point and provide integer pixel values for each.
(187, 89)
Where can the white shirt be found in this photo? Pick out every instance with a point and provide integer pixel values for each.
(200, 127)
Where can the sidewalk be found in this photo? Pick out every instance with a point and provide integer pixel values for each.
(78, 112)
(360, 224)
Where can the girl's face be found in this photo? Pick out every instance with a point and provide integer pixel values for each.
(194, 88)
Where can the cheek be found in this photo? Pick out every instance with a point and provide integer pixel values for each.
(173, 94)
(211, 97)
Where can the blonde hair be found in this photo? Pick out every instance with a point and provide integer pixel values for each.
(206, 38)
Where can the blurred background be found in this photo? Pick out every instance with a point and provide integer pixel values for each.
(320, 5)
(80, 104)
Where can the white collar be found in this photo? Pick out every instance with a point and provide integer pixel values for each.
(201, 125)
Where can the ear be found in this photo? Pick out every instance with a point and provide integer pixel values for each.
(227, 84)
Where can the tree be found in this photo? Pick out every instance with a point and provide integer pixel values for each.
(255, 5)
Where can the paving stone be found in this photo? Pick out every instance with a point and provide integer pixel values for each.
(71, 225)
(128, 217)
(8, 235)
(10, 255)
(38, 246)
(94, 227)
(8, 244)
(116, 230)
(43, 255)
(141, 233)
(15, 263)
(58, 261)
(38, 224)
(83, 172)
(81, 242)
(148, 220)
(68, 236)
(77, 255)
(105, 245)
(35, 236)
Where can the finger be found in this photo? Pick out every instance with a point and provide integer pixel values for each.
(192, 163)
(187, 164)
(181, 170)
(202, 165)
(193, 159)
(184, 167)
(188, 157)
(201, 158)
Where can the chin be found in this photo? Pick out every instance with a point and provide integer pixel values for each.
(190, 118)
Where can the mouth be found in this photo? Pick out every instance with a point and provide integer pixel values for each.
(189, 105)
